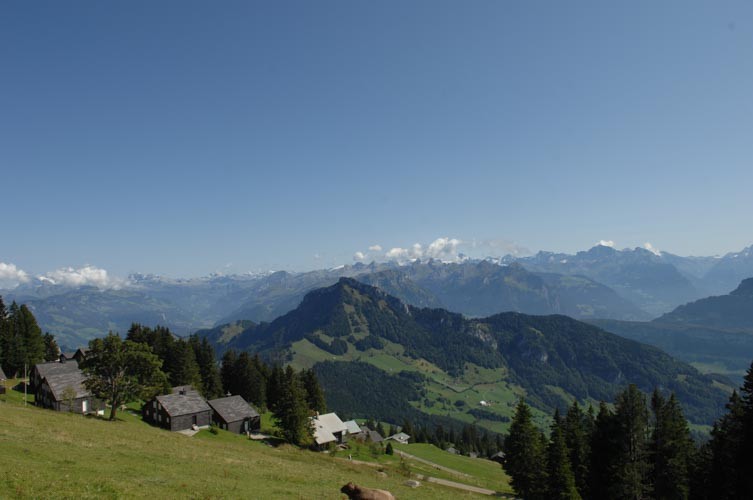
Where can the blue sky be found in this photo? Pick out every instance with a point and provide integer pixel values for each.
(184, 138)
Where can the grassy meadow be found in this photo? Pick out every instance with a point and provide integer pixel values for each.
(49, 454)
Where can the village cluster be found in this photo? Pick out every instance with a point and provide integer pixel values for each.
(59, 385)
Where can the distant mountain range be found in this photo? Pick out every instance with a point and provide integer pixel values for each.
(601, 283)
(552, 358)
(715, 333)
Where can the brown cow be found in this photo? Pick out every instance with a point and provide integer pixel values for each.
(360, 493)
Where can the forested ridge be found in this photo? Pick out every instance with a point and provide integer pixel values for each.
(538, 352)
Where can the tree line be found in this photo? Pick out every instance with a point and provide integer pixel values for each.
(22, 344)
(637, 448)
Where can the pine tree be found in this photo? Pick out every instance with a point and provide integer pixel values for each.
(184, 369)
(226, 370)
(603, 459)
(671, 449)
(275, 386)
(248, 382)
(51, 349)
(631, 415)
(292, 414)
(560, 478)
(525, 460)
(745, 453)
(211, 386)
(314, 393)
(725, 449)
(577, 429)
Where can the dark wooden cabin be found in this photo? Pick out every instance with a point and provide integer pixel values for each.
(234, 414)
(181, 410)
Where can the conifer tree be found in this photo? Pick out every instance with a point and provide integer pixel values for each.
(248, 382)
(745, 454)
(211, 386)
(631, 415)
(275, 386)
(183, 366)
(725, 449)
(671, 449)
(51, 349)
(560, 479)
(576, 429)
(314, 393)
(226, 370)
(525, 460)
(292, 414)
(603, 446)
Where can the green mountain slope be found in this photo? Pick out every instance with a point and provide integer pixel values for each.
(710, 350)
(552, 359)
(732, 311)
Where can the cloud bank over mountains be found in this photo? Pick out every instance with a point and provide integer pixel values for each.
(11, 276)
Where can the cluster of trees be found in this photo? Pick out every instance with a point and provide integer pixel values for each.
(21, 340)
(151, 360)
(292, 396)
(637, 449)
(188, 361)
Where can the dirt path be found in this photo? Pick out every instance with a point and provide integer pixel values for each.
(436, 480)
(458, 486)
(436, 466)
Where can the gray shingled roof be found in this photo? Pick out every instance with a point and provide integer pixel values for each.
(183, 404)
(55, 368)
(59, 381)
(2, 374)
(233, 408)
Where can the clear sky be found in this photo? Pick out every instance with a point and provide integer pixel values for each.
(183, 138)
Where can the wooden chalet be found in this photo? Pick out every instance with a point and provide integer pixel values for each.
(234, 414)
(42, 370)
(181, 410)
(65, 391)
(78, 355)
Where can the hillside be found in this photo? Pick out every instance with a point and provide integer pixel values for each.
(551, 359)
(732, 311)
(710, 350)
(79, 457)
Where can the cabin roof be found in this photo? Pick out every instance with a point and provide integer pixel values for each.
(186, 403)
(233, 408)
(59, 382)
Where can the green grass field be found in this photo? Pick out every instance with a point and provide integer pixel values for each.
(45, 453)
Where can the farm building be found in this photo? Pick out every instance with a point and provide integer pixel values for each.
(400, 437)
(65, 391)
(234, 414)
(42, 370)
(181, 410)
(3, 378)
(328, 428)
(78, 355)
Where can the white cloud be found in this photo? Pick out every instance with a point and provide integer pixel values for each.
(87, 275)
(606, 243)
(359, 256)
(444, 249)
(11, 276)
(648, 246)
(375, 248)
